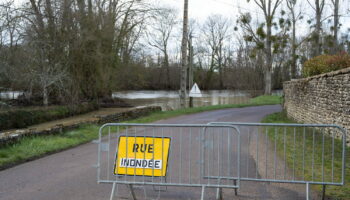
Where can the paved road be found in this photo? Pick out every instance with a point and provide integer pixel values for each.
(70, 174)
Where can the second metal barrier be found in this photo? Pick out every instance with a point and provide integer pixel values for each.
(291, 153)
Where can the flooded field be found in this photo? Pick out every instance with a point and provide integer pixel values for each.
(169, 100)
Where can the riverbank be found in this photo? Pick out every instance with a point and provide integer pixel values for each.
(30, 148)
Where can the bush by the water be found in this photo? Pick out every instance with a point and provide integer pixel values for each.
(21, 118)
(326, 63)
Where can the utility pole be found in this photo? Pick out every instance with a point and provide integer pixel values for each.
(190, 63)
(190, 68)
(184, 57)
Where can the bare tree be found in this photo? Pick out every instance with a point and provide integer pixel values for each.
(215, 34)
(161, 33)
(89, 40)
(335, 27)
(47, 60)
(295, 16)
(9, 24)
(263, 36)
(11, 53)
(318, 6)
(46, 75)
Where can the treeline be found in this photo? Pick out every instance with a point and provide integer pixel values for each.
(139, 77)
(68, 51)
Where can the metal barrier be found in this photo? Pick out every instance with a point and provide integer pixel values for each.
(169, 155)
(291, 153)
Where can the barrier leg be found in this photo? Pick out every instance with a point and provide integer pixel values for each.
(219, 193)
(323, 192)
(235, 183)
(307, 191)
(202, 196)
(112, 192)
(132, 192)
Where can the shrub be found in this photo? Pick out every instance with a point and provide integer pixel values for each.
(23, 118)
(325, 63)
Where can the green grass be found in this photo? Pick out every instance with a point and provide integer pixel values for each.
(296, 153)
(267, 100)
(29, 148)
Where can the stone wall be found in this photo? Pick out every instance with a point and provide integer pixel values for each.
(15, 135)
(321, 99)
(128, 115)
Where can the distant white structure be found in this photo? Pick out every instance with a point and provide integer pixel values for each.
(195, 91)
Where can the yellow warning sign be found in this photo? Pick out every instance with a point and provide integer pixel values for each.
(142, 156)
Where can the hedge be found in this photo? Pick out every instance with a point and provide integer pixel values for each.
(22, 118)
(325, 63)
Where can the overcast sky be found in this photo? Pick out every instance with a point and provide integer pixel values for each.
(200, 9)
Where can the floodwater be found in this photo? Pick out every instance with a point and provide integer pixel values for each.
(10, 94)
(169, 100)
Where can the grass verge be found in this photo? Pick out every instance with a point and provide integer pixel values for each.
(30, 148)
(295, 155)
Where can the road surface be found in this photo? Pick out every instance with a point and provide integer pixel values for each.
(70, 174)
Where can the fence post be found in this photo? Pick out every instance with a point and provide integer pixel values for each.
(323, 192)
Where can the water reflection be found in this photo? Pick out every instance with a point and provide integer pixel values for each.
(169, 100)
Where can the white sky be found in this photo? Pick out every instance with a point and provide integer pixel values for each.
(200, 9)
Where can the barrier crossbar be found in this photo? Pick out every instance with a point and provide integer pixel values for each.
(169, 155)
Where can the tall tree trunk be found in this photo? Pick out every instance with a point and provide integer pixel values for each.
(294, 49)
(335, 26)
(317, 33)
(38, 18)
(167, 67)
(209, 73)
(45, 96)
(221, 82)
(268, 52)
(207, 81)
(221, 79)
(294, 55)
